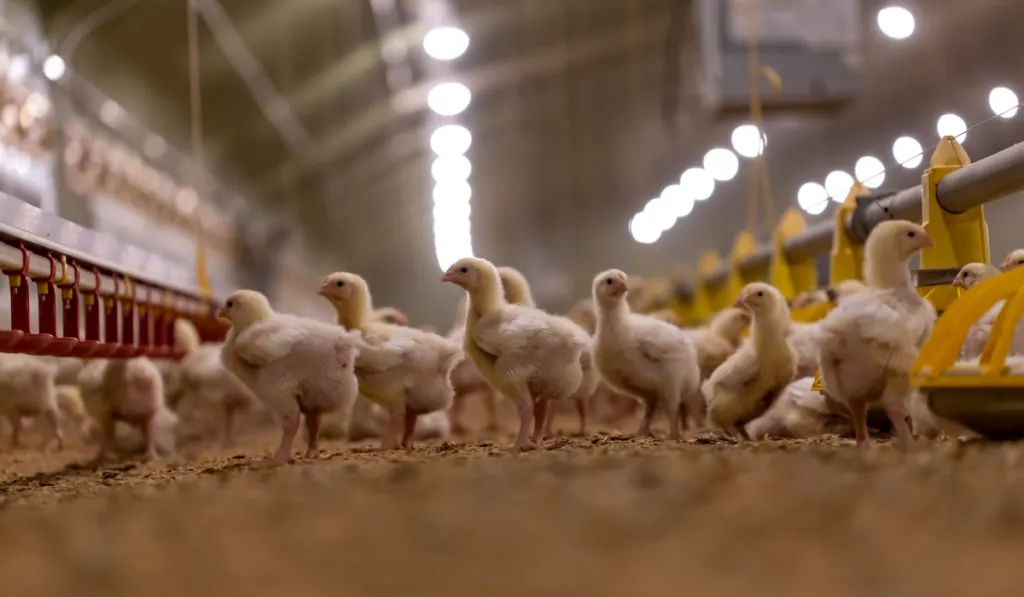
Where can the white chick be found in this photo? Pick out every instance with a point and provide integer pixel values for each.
(403, 369)
(868, 343)
(524, 353)
(799, 413)
(295, 366)
(517, 292)
(1013, 259)
(803, 337)
(748, 382)
(132, 391)
(27, 389)
(466, 379)
(722, 337)
(72, 408)
(646, 358)
(978, 334)
(389, 315)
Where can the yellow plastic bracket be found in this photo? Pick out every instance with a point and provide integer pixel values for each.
(790, 278)
(744, 246)
(942, 349)
(847, 258)
(958, 239)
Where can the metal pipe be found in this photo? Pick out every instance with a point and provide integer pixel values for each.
(988, 179)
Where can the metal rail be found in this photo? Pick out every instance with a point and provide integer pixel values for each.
(988, 179)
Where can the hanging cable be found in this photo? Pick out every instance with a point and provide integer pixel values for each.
(196, 118)
(760, 182)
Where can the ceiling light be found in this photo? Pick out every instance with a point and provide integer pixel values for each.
(951, 125)
(745, 141)
(838, 185)
(54, 67)
(452, 191)
(643, 229)
(450, 139)
(870, 171)
(812, 198)
(721, 163)
(661, 213)
(445, 43)
(1003, 102)
(678, 200)
(896, 22)
(449, 99)
(697, 183)
(908, 152)
(451, 167)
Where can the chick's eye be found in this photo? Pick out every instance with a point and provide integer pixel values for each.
(464, 270)
(911, 234)
(230, 304)
(608, 281)
(339, 284)
(760, 293)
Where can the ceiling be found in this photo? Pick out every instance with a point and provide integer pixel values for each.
(580, 113)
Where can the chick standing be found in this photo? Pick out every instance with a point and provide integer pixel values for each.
(524, 353)
(517, 292)
(27, 389)
(868, 343)
(720, 339)
(403, 369)
(646, 358)
(749, 381)
(132, 391)
(466, 378)
(293, 364)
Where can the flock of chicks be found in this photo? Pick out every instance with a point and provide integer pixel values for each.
(391, 377)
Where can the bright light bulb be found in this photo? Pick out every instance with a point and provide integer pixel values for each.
(452, 191)
(451, 167)
(697, 183)
(54, 67)
(445, 43)
(951, 125)
(1003, 102)
(721, 163)
(896, 22)
(449, 99)
(746, 142)
(644, 229)
(870, 171)
(838, 185)
(451, 139)
(661, 212)
(812, 198)
(676, 198)
(451, 210)
(908, 152)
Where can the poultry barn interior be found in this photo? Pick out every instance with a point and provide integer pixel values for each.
(444, 297)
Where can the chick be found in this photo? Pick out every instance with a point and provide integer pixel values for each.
(978, 334)
(868, 343)
(1014, 258)
(972, 273)
(293, 364)
(389, 315)
(517, 292)
(524, 353)
(649, 359)
(132, 391)
(749, 381)
(809, 298)
(27, 389)
(799, 413)
(466, 379)
(72, 408)
(720, 339)
(403, 369)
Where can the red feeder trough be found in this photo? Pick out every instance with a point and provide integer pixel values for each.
(27, 343)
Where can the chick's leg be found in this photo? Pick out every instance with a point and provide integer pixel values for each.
(458, 408)
(289, 429)
(645, 422)
(313, 433)
(491, 405)
(411, 416)
(524, 407)
(859, 417)
(894, 401)
(107, 428)
(15, 420)
(227, 425)
(393, 434)
(53, 418)
(540, 418)
(582, 406)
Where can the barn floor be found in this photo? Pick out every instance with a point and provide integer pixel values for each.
(596, 516)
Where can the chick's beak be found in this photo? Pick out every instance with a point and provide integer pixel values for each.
(222, 313)
(926, 241)
(448, 276)
(740, 301)
(1006, 262)
(958, 282)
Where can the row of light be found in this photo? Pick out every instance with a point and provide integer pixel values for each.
(813, 198)
(450, 142)
(696, 184)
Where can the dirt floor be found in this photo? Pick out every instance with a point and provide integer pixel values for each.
(595, 516)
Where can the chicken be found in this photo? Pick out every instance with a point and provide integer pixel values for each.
(389, 315)
(720, 339)
(800, 412)
(666, 315)
(646, 358)
(295, 366)
(1013, 259)
(746, 385)
(403, 369)
(524, 353)
(132, 391)
(809, 298)
(868, 343)
(517, 292)
(72, 408)
(467, 381)
(27, 389)
(185, 338)
(978, 334)
(803, 336)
